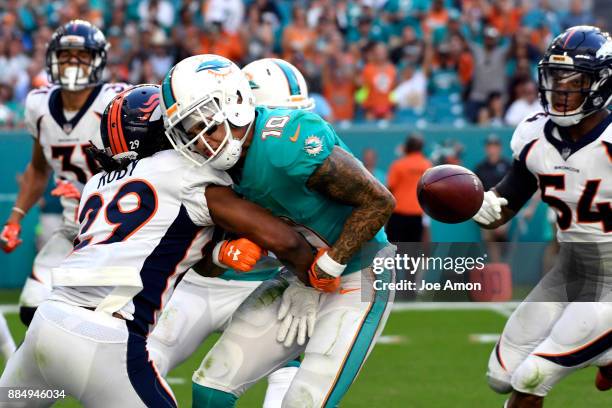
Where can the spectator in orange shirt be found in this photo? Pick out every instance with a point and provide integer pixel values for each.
(504, 16)
(406, 223)
(436, 17)
(379, 78)
(297, 36)
(217, 41)
(339, 80)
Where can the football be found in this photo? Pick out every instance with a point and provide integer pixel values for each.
(450, 193)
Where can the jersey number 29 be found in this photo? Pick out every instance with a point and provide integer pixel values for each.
(125, 222)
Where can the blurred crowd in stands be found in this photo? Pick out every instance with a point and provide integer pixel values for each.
(424, 62)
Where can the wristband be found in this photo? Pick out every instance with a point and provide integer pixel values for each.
(215, 254)
(329, 266)
(19, 211)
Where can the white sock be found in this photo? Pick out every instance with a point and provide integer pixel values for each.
(7, 345)
(278, 384)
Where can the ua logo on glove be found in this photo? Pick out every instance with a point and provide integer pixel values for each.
(233, 252)
(240, 254)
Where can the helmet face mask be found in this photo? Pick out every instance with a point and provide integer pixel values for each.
(565, 92)
(190, 135)
(574, 75)
(76, 55)
(70, 75)
(203, 98)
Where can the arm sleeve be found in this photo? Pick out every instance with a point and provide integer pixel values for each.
(517, 186)
(520, 184)
(314, 141)
(195, 181)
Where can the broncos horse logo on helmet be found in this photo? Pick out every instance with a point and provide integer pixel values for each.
(131, 128)
(149, 106)
(77, 35)
(574, 75)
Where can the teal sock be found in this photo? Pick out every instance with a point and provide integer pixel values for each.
(294, 363)
(205, 397)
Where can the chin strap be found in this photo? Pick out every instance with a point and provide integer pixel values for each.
(230, 153)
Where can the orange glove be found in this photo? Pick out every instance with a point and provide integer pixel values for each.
(240, 254)
(328, 283)
(9, 239)
(66, 189)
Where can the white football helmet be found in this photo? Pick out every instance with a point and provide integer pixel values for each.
(278, 84)
(209, 91)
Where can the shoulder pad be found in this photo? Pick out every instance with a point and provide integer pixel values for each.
(529, 129)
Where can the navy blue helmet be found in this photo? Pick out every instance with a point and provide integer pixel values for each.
(76, 35)
(131, 127)
(574, 75)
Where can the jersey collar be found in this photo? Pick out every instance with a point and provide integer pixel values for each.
(565, 145)
(56, 107)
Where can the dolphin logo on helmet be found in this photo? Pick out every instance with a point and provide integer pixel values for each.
(214, 65)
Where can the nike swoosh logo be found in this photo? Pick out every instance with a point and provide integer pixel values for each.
(294, 138)
(345, 291)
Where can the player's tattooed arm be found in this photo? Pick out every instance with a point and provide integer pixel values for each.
(246, 219)
(343, 178)
(33, 183)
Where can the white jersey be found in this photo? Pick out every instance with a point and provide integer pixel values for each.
(575, 178)
(64, 141)
(140, 229)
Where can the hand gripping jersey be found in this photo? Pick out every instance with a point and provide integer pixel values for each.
(574, 178)
(141, 228)
(64, 141)
(287, 147)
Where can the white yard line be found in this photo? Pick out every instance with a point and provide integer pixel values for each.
(483, 338)
(391, 339)
(9, 309)
(503, 308)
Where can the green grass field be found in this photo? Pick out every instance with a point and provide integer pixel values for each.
(432, 363)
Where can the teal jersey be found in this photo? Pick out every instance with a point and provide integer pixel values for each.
(256, 275)
(266, 268)
(287, 147)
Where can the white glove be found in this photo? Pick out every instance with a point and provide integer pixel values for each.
(490, 211)
(298, 312)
